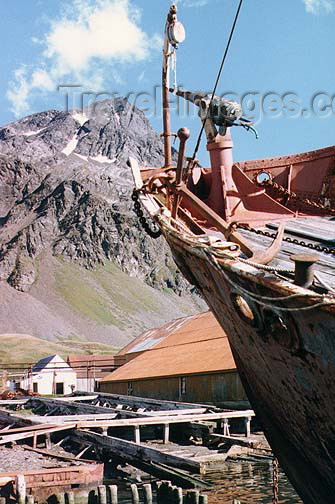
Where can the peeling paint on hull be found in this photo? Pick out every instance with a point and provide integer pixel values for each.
(288, 376)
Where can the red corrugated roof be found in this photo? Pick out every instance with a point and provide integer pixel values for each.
(198, 345)
(88, 366)
(151, 338)
(80, 358)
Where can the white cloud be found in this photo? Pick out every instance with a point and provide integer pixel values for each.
(18, 92)
(88, 34)
(319, 6)
(193, 3)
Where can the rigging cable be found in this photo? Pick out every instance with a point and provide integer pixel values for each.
(219, 75)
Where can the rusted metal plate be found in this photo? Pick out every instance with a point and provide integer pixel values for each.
(64, 476)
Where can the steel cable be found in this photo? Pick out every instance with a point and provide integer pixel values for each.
(219, 75)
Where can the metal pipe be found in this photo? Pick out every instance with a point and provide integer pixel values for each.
(183, 135)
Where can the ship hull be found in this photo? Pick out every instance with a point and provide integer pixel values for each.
(287, 366)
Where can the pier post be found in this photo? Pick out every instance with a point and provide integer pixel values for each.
(134, 494)
(247, 426)
(82, 498)
(20, 489)
(113, 494)
(226, 431)
(137, 434)
(70, 497)
(192, 497)
(177, 495)
(60, 498)
(163, 491)
(147, 494)
(203, 499)
(30, 499)
(166, 433)
(102, 492)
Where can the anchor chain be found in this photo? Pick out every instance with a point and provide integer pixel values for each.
(301, 243)
(282, 191)
(154, 232)
(275, 466)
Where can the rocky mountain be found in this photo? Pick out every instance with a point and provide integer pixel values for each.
(67, 225)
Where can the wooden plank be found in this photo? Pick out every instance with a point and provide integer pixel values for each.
(13, 402)
(77, 398)
(166, 433)
(34, 434)
(175, 412)
(29, 428)
(144, 402)
(57, 455)
(60, 419)
(80, 408)
(161, 420)
(7, 427)
(137, 434)
(84, 450)
(250, 443)
(132, 451)
(6, 417)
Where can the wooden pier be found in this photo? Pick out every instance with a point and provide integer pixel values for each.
(112, 428)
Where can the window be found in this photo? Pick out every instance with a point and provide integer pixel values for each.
(35, 387)
(130, 388)
(60, 388)
(182, 385)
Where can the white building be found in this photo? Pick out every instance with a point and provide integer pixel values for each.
(51, 375)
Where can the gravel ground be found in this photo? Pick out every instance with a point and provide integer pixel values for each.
(18, 459)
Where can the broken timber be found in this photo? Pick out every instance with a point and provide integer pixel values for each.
(145, 402)
(147, 459)
(131, 450)
(7, 437)
(162, 420)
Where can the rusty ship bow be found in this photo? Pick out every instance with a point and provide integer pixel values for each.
(257, 240)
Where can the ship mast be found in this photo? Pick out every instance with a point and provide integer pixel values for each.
(174, 35)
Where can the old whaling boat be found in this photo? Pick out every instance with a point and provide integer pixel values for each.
(257, 238)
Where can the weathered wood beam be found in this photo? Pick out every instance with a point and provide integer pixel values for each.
(61, 419)
(69, 408)
(234, 440)
(144, 402)
(176, 412)
(132, 452)
(29, 428)
(33, 434)
(162, 420)
(13, 402)
(11, 418)
(77, 398)
(56, 455)
(84, 450)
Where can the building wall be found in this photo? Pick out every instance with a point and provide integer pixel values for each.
(206, 388)
(45, 379)
(85, 384)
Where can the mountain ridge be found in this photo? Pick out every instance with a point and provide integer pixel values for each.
(65, 193)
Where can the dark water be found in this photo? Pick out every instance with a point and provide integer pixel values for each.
(250, 483)
(246, 482)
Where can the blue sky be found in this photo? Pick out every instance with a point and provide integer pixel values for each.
(115, 46)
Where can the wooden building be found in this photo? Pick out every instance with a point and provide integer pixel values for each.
(188, 359)
(51, 375)
(91, 369)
